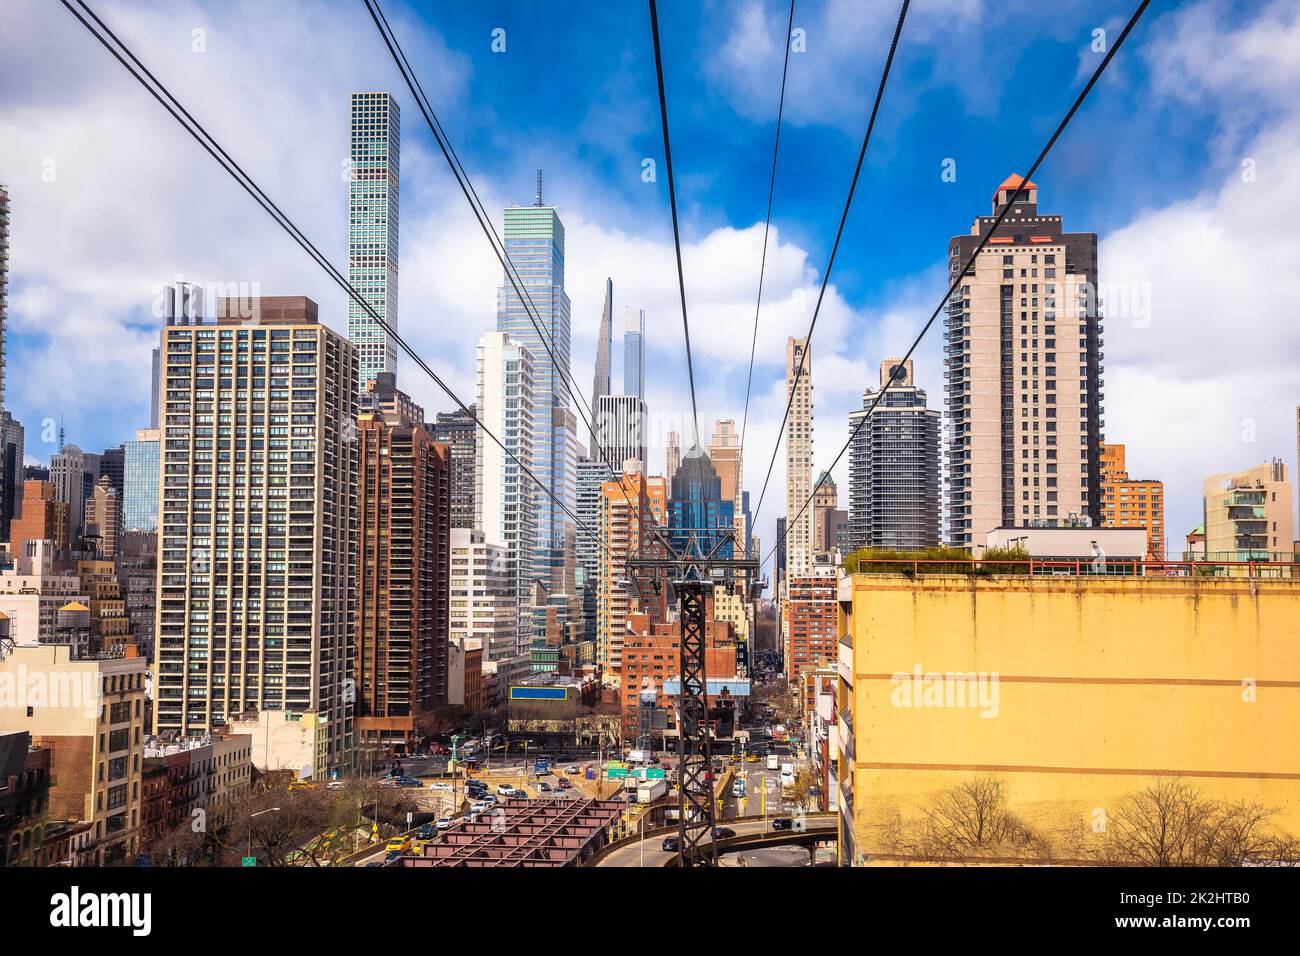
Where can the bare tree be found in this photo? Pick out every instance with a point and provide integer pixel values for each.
(1173, 823)
(970, 819)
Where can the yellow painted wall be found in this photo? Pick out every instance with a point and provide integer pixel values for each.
(1102, 684)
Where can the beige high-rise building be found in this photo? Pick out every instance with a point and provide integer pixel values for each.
(724, 452)
(672, 455)
(798, 458)
(1024, 367)
(258, 524)
(90, 714)
(104, 516)
(110, 627)
(624, 532)
(1248, 514)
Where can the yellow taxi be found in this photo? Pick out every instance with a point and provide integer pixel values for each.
(751, 759)
(399, 844)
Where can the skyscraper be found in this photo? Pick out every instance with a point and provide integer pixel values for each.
(112, 465)
(11, 430)
(11, 468)
(798, 457)
(894, 466)
(672, 455)
(457, 430)
(258, 525)
(601, 387)
(104, 517)
(372, 230)
(404, 497)
(483, 606)
(1023, 381)
(620, 423)
(631, 503)
(724, 453)
(503, 492)
(592, 475)
(634, 352)
(154, 396)
(4, 283)
(140, 481)
(68, 475)
(534, 240)
(699, 517)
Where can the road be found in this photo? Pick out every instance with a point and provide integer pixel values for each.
(650, 852)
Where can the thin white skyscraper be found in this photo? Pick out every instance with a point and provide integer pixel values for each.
(799, 458)
(505, 502)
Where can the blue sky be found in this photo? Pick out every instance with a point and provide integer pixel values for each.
(1152, 163)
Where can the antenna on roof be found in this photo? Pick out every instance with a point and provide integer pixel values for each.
(538, 201)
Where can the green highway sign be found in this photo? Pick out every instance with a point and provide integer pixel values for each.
(655, 773)
(617, 773)
(248, 861)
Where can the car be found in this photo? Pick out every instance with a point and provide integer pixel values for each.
(425, 831)
(572, 770)
(545, 787)
(399, 845)
(783, 823)
(505, 790)
(723, 833)
(671, 844)
(335, 785)
(409, 782)
(489, 799)
(444, 823)
(471, 783)
(751, 759)
(479, 807)
(565, 784)
(446, 787)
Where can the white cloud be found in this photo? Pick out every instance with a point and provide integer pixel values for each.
(1207, 382)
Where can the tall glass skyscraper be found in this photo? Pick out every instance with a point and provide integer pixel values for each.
(698, 515)
(534, 240)
(372, 230)
(634, 353)
(140, 481)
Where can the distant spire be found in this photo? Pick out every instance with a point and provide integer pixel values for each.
(538, 202)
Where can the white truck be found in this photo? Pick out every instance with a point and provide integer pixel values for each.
(773, 761)
(787, 775)
(651, 790)
(638, 756)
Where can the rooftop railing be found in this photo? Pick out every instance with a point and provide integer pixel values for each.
(1082, 567)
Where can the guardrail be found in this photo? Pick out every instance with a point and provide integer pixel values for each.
(609, 848)
(1079, 567)
(813, 834)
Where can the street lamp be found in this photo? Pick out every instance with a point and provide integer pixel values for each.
(250, 825)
